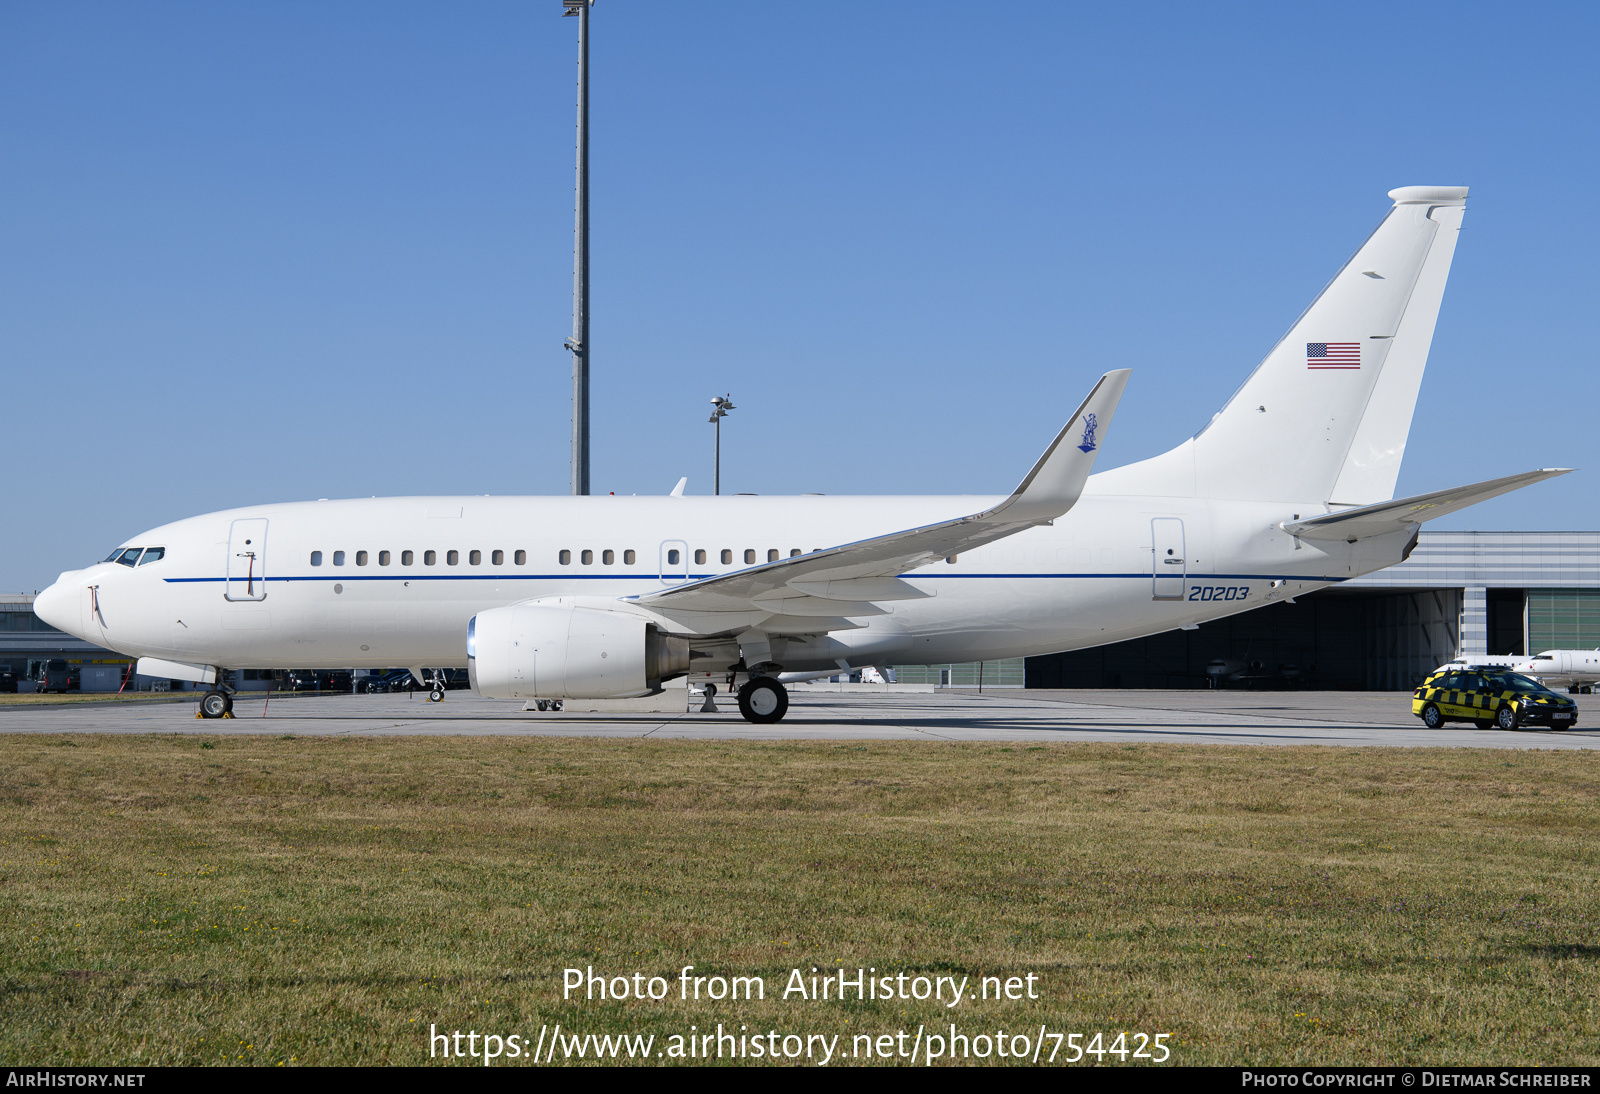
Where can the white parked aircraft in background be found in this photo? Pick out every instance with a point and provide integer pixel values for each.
(1285, 491)
(1575, 670)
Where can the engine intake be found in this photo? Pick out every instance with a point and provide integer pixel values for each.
(559, 650)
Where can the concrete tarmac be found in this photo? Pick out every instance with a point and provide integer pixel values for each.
(1346, 718)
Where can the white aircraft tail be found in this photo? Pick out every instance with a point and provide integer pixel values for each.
(1325, 415)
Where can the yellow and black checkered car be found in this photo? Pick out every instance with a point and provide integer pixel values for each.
(1489, 700)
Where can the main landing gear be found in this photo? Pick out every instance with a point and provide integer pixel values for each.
(763, 701)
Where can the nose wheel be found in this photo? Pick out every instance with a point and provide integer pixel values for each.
(216, 704)
(436, 695)
(763, 701)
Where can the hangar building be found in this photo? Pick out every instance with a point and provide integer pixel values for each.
(1460, 593)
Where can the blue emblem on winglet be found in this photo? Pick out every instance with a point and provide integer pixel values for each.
(1089, 426)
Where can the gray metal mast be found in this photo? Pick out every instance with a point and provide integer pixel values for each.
(720, 407)
(579, 342)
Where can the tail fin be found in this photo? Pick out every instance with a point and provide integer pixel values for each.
(1325, 416)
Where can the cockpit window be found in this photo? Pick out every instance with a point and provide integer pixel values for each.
(130, 557)
(152, 554)
(112, 557)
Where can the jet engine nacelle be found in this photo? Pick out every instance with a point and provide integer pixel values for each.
(560, 650)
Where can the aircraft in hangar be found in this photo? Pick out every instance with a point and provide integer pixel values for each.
(1287, 489)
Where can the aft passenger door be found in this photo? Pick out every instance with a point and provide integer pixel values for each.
(247, 560)
(1168, 570)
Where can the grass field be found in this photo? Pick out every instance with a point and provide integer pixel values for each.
(73, 698)
(257, 900)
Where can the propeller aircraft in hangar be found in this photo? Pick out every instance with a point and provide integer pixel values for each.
(1288, 489)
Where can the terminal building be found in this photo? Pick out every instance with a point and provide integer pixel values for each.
(1460, 593)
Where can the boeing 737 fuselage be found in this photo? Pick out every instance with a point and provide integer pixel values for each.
(1285, 491)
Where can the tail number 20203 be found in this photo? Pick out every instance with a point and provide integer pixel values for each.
(1218, 592)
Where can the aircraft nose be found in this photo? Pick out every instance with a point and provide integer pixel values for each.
(58, 605)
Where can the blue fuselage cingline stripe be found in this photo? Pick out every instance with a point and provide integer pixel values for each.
(704, 577)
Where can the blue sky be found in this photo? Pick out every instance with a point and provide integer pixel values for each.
(271, 252)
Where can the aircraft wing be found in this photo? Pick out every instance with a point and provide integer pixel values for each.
(1392, 516)
(831, 584)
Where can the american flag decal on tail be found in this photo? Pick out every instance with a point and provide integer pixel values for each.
(1333, 355)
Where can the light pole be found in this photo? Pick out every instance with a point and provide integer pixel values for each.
(721, 405)
(579, 342)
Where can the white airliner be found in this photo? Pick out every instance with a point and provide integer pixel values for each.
(1575, 670)
(1286, 490)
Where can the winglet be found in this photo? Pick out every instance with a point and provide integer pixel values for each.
(677, 491)
(1055, 482)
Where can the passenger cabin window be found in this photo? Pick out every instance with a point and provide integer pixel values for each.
(361, 558)
(383, 558)
(498, 558)
(727, 557)
(406, 557)
(699, 558)
(430, 557)
(673, 556)
(476, 558)
(587, 558)
(522, 558)
(565, 558)
(794, 552)
(609, 558)
(338, 558)
(316, 558)
(772, 554)
(749, 556)
(152, 554)
(628, 557)
(452, 558)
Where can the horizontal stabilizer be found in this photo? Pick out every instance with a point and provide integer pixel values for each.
(1392, 516)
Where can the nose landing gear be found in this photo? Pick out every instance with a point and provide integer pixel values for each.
(216, 704)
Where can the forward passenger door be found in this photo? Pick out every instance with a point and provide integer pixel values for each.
(247, 560)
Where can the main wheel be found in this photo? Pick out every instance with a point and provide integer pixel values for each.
(214, 704)
(1507, 717)
(1431, 716)
(763, 701)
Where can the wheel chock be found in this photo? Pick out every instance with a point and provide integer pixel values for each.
(227, 714)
